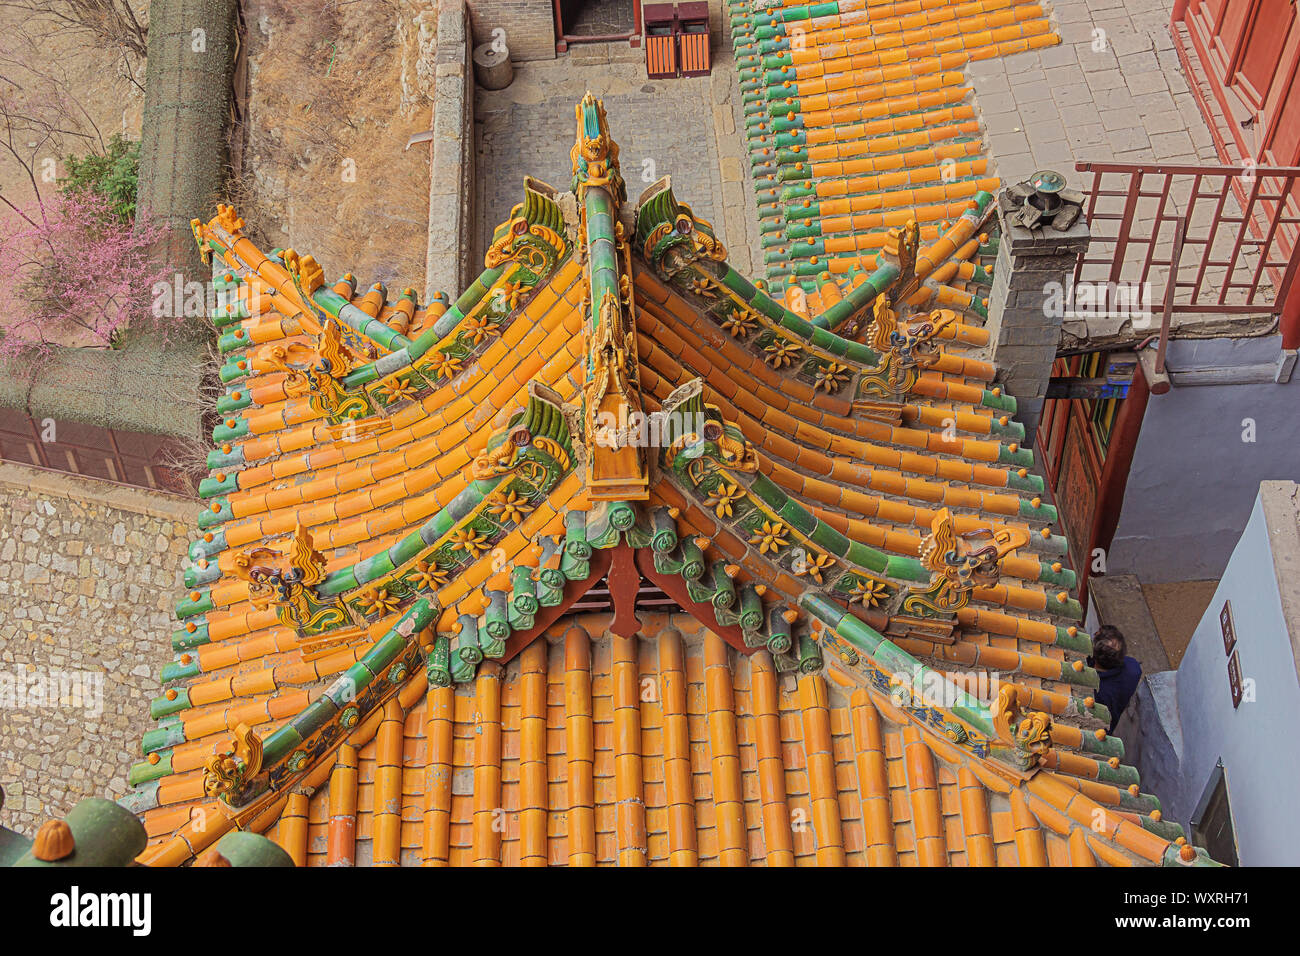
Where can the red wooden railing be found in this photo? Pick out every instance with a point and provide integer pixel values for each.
(1208, 239)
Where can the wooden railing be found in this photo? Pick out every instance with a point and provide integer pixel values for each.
(1203, 239)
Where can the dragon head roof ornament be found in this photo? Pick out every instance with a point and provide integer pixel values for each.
(595, 154)
(286, 580)
(1029, 732)
(680, 245)
(904, 349)
(904, 245)
(958, 565)
(224, 773)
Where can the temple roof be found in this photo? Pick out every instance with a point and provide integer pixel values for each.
(866, 648)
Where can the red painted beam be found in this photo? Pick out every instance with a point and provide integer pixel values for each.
(675, 588)
(600, 561)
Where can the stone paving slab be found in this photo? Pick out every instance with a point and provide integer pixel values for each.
(677, 127)
(1113, 91)
(1115, 67)
(662, 127)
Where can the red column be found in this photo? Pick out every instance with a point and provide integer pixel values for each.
(1114, 474)
(1290, 325)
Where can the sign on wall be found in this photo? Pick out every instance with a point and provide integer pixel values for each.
(1229, 630)
(1234, 679)
(1226, 626)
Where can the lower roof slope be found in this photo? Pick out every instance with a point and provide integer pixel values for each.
(672, 748)
(858, 118)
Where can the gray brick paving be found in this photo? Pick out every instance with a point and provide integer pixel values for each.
(1125, 102)
(684, 128)
(662, 127)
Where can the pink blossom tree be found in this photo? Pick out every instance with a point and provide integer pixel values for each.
(71, 272)
(74, 270)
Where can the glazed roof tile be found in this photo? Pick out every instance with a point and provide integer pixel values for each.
(857, 119)
(874, 658)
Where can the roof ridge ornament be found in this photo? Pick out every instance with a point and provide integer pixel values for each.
(672, 238)
(613, 411)
(225, 773)
(544, 425)
(595, 154)
(330, 348)
(905, 350)
(230, 221)
(904, 245)
(958, 567)
(534, 236)
(1030, 732)
(307, 276)
(287, 582)
(329, 394)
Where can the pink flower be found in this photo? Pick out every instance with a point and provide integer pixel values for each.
(70, 272)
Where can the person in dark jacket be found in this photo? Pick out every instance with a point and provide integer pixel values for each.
(1119, 673)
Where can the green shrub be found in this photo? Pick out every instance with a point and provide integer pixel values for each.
(113, 176)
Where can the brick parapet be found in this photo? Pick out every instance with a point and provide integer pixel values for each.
(1033, 268)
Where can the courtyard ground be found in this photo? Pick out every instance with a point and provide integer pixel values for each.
(1112, 91)
(684, 128)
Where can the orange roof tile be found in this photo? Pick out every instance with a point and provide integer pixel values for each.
(381, 661)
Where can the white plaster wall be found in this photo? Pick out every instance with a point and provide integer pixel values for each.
(1255, 741)
(1193, 479)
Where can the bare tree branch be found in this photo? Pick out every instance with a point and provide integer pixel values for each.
(113, 23)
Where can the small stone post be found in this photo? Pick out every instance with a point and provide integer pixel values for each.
(1033, 272)
(492, 67)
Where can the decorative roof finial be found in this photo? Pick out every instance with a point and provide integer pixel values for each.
(1029, 731)
(226, 773)
(595, 154)
(53, 841)
(903, 350)
(958, 567)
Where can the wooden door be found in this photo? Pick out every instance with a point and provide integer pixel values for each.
(1074, 444)
(1281, 137)
(1261, 51)
(1250, 50)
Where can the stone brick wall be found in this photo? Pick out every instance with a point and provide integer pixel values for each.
(451, 257)
(89, 572)
(719, 27)
(1024, 329)
(529, 26)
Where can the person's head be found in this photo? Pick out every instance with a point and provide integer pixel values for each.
(1108, 647)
